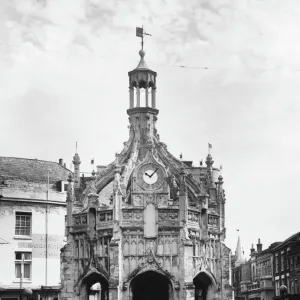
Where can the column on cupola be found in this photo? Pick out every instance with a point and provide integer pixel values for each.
(131, 97)
(153, 94)
(147, 96)
(138, 100)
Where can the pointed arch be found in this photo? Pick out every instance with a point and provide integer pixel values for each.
(88, 280)
(204, 282)
(151, 283)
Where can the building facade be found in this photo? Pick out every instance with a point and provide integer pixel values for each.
(259, 285)
(262, 275)
(32, 227)
(286, 266)
(148, 226)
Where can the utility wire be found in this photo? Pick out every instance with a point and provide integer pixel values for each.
(203, 68)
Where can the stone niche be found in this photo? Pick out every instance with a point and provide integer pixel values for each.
(150, 226)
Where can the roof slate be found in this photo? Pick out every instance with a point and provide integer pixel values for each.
(31, 170)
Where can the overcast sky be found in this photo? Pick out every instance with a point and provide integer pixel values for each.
(63, 78)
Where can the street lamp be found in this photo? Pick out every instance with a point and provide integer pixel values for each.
(283, 292)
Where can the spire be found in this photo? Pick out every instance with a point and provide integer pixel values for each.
(239, 257)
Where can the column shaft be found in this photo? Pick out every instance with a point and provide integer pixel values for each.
(153, 97)
(146, 92)
(137, 97)
(131, 98)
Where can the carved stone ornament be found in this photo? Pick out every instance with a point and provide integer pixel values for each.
(202, 266)
(93, 199)
(193, 217)
(151, 264)
(213, 220)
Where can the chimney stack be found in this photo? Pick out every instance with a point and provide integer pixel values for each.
(252, 250)
(61, 162)
(259, 246)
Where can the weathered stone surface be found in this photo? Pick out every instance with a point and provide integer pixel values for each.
(161, 217)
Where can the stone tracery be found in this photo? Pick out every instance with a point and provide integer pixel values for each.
(185, 211)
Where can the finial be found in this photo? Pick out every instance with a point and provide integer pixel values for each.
(220, 178)
(209, 147)
(76, 159)
(76, 147)
(142, 53)
(70, 177)
(209, 161)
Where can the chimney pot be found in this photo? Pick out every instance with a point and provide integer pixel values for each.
(259, 246)
(61, 162)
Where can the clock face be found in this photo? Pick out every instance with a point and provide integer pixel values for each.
(150, 176)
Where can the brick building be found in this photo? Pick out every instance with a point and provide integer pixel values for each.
(148, 226)
(286, 266)
(266, 270)
(32, 216)
(259, 285)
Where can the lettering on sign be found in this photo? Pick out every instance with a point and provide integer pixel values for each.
(38, 245)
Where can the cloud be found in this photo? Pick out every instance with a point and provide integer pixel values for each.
(64, 71)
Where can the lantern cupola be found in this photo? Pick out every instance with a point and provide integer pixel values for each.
(142, 85)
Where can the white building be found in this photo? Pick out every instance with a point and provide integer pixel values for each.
(32, 225)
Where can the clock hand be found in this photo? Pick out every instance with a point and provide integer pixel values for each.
(153, 172)
(147, 174)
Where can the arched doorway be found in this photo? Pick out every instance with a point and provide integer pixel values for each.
(94, 287)
(150, 285)
(202, 283)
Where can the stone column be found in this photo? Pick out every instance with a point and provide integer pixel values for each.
(131, 97)
(146, 95)
(137, 97)
(153, 89)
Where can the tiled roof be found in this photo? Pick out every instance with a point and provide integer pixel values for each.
(31, 170)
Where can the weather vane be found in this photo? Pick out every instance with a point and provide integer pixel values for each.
(140, 32)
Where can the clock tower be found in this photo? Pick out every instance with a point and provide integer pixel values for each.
(147, 226)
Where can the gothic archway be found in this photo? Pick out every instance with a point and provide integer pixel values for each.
(89, 287)
(203, 284)
(151, 285)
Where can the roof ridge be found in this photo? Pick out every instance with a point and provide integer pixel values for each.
(35, 159)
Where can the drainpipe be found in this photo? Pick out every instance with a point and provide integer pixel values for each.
(46, 233)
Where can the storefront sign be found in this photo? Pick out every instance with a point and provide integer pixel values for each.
(38, 245)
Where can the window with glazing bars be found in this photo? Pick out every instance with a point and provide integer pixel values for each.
(23, 265)
(23, 223)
